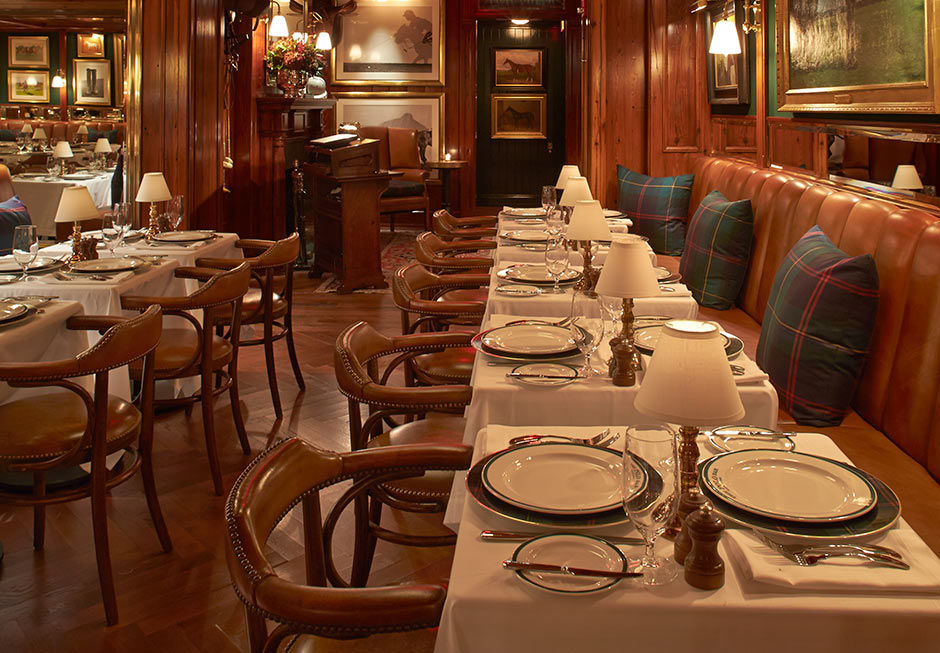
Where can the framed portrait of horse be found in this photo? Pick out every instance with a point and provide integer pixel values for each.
(517, 67)
(518, 116)
(391, 43)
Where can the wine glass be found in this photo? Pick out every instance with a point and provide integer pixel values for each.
(612, 309)
(25, 246)
(548, 199)
(112, 232)
(554, 224)
(556, 260)
(587, 329)
(651, 493)
(175, 211)
(122, 217)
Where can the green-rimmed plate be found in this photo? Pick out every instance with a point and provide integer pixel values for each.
(646, 337)
(575, 550)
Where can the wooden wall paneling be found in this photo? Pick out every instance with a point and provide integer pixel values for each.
(575, 37)
(734, 136)
(206, 180)
(790, 147)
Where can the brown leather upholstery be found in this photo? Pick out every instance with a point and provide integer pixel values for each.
(57, 130)
(440, 256)
(448, 366)
(294, 472)
(398, 152)
(269, 301)
(448, 227)
(899, 390)
(197, 351)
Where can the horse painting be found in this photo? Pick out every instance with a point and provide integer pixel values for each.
(519, 67)
(515, 116)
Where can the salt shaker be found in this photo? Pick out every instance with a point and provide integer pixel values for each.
(689, 503)
(704, 568)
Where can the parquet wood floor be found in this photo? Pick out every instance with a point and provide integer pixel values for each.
(182, 601)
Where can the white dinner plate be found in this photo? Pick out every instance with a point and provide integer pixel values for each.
(536, 273)
(529, 221)
(97, 266)
(574, 550)
(184, 236)
(613, 213)
(10, 311)
(788, 485)
(9, 265)
(545, 375)
(661, 273)
(525, 212)
(525, 235)
(529, 339)
(556, 478)
(741, 437)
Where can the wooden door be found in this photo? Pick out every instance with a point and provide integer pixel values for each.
(520, 110)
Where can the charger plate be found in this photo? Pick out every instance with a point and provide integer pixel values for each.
(789, 485)
(183, 236)
(536, 274)
(529, 340)
(885, 515)
(575, 550)
(99, 265)
(8, 265)
(11, 311)
(525, 235)
(646, 337)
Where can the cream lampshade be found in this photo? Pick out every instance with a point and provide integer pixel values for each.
(102, 146)
(62, 150)
(39, 134)
(576, 188)
(567, 172)
(587, 222)
(725, 38)
(82, 129)
(76, 204)
(627, 273)
(324, 42)
(906, 178)
(689, 382)
(27, 128)
(278, 27)
(153, 189)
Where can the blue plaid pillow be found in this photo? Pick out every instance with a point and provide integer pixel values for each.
(12, 213)
(717, 249)
(658, 207)
(817, 327)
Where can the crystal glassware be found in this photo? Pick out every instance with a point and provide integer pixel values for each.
(111, 231)
(175, 209)
(549, 199)
(587, 328)
(556, 260)
(25, 246)
(651, 494)
(554, 223)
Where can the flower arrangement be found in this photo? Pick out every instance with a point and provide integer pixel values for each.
(297, 55)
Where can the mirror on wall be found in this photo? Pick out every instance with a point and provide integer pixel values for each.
(902, 165)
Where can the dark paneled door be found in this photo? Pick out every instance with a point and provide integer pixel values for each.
(520, 110)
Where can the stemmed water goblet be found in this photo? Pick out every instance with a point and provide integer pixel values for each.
(554, 224)
(587, 329)
(175, 211)
(556, 260)
(25, 246)
(651, 494)
(549, 199)
(612, 309)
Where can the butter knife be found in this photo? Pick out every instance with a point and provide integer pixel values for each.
(510, 536)
(516, 565)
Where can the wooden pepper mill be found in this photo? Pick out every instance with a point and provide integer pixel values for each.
(704, 568)
(689, 503)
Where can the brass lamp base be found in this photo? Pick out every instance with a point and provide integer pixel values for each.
(61, 167)
(688, 472)
(153, 229)
(589, 275)
(83, 249)
(626, 359)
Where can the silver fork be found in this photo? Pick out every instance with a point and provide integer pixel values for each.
(560, 323)
(810, 555)
(600, 440)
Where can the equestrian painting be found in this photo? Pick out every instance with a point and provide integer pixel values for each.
(518, 116)
(517, 67)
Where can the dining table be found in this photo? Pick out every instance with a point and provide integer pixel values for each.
(41, 192)
(766, 603)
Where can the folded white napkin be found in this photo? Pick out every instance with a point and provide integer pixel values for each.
(752, 373)
(758, 565)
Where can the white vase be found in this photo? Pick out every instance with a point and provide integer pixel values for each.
(316, 87)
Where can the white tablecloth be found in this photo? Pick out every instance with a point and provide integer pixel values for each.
(490, 610)
(42, 197)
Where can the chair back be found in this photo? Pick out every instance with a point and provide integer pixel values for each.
(282, 253)
(417, 290)
(439, 256)
(123, 343)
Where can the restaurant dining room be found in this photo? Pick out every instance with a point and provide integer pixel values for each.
(469, 326)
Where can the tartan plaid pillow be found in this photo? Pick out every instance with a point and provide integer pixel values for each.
(817, 327)
(717, 249)
(658, 207)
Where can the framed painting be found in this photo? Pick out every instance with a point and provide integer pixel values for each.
(391, 43)
(30, 86)
(517, 67)
(92, 80)
(854, 56)
(90, 45)
(31, 51)
(518, 116)
(727, 74)
(423, 112)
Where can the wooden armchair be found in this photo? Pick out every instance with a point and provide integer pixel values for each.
(449, 227)
(399, 152)
(441, 257)
(293, 472)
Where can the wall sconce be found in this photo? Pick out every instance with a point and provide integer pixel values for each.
(323, 41)
(725, 38)
(277, 29)
(59, 80)
(752, 11)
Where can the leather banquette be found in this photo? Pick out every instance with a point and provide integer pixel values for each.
(58, 130)
(894, 432)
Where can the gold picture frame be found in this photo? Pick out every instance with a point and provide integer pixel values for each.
(20, 91)
(89, 45)
(517, 67)
(518, 116)
(401, 29)
(395, 109)
(891, 75)
(91, 82)
(30, 51)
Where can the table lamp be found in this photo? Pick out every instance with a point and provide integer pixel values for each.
(153, 189)
(62, 151)
(81, 135)
(689, 382)
(76, 205)
(906, 178)
(39, 136)
(102, 149)
(628, 274)
(567, 172)
(576, 188)
(587, 224)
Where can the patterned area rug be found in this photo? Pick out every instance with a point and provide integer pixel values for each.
(398, 249)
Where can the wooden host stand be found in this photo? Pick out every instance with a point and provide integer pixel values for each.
(345, 205)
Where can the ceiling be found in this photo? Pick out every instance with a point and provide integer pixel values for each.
(73, 15)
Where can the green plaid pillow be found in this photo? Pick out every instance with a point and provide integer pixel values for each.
(658, 207)
(717, 249)
(817, 327)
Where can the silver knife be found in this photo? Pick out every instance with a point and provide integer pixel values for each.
(510, 536)
(516, 565)
(526, 375)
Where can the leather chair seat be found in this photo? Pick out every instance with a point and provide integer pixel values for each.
(451, 366)
(403, 188)
(51, 424)
(252, 300)
(177, 348)
(465, 295)
(436, 428)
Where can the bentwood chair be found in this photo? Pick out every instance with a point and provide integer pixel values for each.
(195, 349)
(439, 302)
(461, 255)
(294, 472)
(43, 435)
(359, 350)
(270, 300)
(449, 227)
